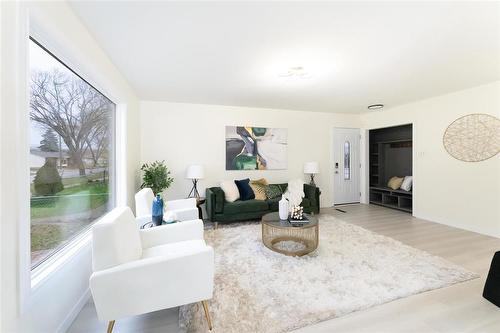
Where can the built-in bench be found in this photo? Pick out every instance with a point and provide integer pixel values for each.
(387, 197)
(391, 154)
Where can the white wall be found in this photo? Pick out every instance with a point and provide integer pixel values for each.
(461, 194)
(183, 134)
(49, 308)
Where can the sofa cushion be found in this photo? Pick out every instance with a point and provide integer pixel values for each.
(219, 199)
(306, 203)
(274, 204)
(245, 206)
(282, 187)
(259, 188)
(230, 189)
(273, 191)
(246, 192)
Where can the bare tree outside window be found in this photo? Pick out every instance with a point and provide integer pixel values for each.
(72, 129)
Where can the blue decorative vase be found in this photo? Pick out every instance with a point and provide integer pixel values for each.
(157, 213)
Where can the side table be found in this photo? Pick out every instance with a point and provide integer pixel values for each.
(200, 201)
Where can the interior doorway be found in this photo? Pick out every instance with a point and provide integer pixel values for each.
(346, 168)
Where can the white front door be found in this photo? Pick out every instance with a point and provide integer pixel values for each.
(346, 167)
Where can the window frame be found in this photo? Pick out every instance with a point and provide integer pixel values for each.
(42, 271)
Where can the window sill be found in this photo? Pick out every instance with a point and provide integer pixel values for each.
(43, 272)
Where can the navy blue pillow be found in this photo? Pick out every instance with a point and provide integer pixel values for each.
(246, 192)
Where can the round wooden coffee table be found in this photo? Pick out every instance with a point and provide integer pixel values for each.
(282, 237)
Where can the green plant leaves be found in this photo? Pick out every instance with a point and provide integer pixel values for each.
(156, 176)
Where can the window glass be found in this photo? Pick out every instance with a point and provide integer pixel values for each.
(347, 160)
(71, 156)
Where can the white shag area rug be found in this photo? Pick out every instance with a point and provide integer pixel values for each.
(258, 290)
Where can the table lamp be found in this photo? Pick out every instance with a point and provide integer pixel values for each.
(311, 168)
(195, 173)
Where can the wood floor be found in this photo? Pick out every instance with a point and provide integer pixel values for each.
(459, 308)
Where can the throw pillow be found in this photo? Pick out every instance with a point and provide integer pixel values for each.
(407, 183)
(262, 181)
(395, 182)
(246, 192)
(259, 189)
(230, 189)
(273, 191)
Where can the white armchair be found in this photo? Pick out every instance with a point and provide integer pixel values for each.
(140, 271)
(184, 209)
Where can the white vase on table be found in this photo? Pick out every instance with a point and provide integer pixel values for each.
(283, 209)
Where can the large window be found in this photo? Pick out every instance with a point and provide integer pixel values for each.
(71, 155)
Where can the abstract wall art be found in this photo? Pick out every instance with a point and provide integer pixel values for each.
(256, 148)
(473, 138)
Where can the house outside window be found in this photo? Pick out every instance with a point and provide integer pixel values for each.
(72, 133)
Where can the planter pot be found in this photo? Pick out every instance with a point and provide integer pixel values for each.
(157, 220)
(157, 210)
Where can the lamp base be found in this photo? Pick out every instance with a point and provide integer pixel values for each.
(194, 190)
(312, 183)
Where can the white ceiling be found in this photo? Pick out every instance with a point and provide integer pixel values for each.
(357, 53)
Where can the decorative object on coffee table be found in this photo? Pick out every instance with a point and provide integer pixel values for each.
(281, 236)
(195, 173)
(492, 286)
(297, 213)
(294, 193)
(473, 138)
(283, 208)
(297, 217)
(157, 210)
(312, 169)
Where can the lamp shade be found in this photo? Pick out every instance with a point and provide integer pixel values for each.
(195, 172)
(311, 168)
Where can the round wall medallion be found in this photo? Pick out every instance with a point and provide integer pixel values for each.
(473, 138)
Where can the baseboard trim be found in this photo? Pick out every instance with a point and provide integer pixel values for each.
(71, 316)
(466, 228)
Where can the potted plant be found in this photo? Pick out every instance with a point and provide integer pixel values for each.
(156, 176)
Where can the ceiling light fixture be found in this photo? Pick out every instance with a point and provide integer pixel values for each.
(295, 72)
(375, 106)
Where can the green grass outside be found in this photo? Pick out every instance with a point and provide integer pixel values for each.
(68, 182)
(68, 203)
(50, 234)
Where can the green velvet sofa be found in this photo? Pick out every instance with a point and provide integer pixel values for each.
(219, 210)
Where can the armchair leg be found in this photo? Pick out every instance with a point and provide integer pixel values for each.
(207, 314)
(111, 324)
(216, 225)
